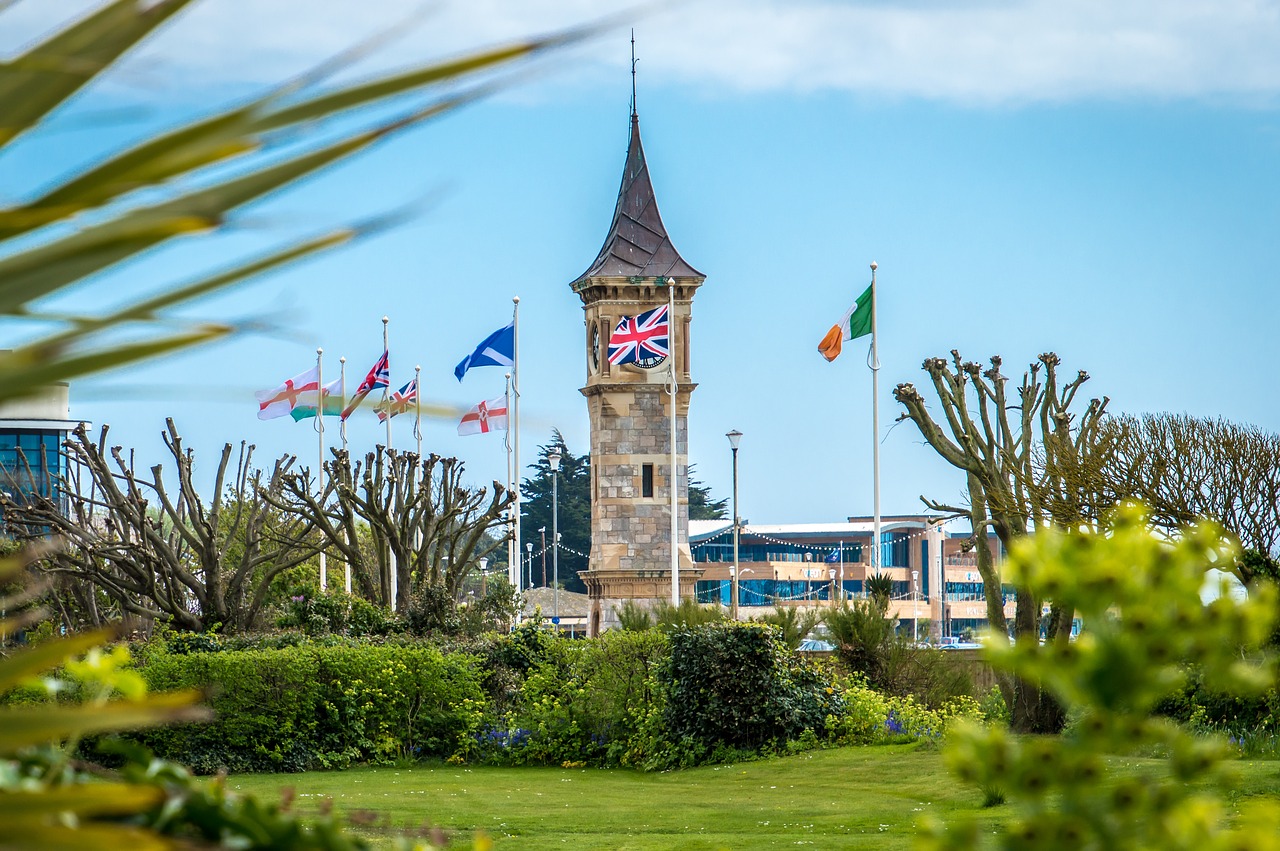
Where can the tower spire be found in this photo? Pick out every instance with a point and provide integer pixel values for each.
(633, 72)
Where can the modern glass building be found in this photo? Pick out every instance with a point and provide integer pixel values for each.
(934, 578)
(32, 431)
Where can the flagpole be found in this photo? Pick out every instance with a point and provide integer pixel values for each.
(675, 475)
(842, 572)
(342, 430)
(514, 423)
(386, 391)
(324, 576)
(386, 395)
(417, 407)
(513, 565)
(876, 554)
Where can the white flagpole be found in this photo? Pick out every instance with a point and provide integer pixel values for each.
(513, 564)
(876, 554)
(386, 391)
(674, 479)
(842, 572)
(417, 407)
(324, 576)
(513, 423)
(342, 429)
(386, 395)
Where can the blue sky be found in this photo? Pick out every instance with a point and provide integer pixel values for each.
(1097, 179)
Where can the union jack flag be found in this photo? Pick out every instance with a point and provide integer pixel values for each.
(399, 401)
(640, 337)
(379, 376)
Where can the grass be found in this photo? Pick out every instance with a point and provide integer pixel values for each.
(869, 797)
(833, 799)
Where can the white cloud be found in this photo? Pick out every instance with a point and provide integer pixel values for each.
(965, 51)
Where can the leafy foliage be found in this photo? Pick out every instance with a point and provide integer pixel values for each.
(738, 685)
(793, 622)
(688, 614)
(701, 504)
(574, 497)
(305, 707)
(1140, 599)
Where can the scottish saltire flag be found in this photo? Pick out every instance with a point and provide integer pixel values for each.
(308, 403)
(399, 401)
(833, 557)
(283, 399)
(640, 337)
(379, 376)
(498, 349)
(484, 418)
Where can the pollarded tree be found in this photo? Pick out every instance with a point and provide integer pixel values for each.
(162, 551)
(1187, 469)
(1022, 456)
(425, 523)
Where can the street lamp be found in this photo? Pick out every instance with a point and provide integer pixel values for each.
(915, 606)
(735, 437)
(528, 548)
(484, 588)
(553, 461)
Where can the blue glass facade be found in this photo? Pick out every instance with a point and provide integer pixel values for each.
(31, 462)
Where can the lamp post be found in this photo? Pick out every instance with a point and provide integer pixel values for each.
(915, 606)
(734, 437)
(484, 577)
(528, 548)
(553, 461)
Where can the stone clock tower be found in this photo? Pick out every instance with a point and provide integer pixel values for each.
(630, 406)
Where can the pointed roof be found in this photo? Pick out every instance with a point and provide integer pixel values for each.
(637, 244)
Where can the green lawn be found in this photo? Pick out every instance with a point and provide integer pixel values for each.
(832, 799)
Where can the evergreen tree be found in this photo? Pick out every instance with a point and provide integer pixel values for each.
(701, 505)
(575, 514)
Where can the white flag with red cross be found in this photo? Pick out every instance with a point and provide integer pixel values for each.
(484, 418)
(283, 399)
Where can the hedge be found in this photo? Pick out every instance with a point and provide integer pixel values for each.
(300, 708)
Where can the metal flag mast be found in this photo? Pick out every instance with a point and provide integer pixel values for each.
(386, 396)
(417, 407)
(513, 424)
(324, 576)
(513, 553)
(674, 475)
(342, 429)
(873, 361)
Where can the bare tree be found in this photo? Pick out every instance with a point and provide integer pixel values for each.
(1186, 469)
(1023, 457)
(424, 522)
(164, 553)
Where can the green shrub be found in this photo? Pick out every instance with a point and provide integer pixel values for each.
(632, 617)
(686, 615)
(591, 702)
(298, 708)
(738, 685)
(793, 622)
(1139, 597)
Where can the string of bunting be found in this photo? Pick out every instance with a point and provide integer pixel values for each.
(914, 535)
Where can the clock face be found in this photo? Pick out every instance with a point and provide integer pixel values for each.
(595, 348)
(650, 363)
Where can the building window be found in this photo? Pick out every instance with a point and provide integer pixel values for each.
(646, 480)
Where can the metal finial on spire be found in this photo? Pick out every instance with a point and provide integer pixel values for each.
(633, 73)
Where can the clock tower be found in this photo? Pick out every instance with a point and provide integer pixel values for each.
(630, 406)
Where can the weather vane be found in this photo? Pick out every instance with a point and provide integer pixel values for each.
(633, 72)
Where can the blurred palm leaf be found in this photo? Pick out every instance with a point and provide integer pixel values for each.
(45, 251)
(56, 254)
